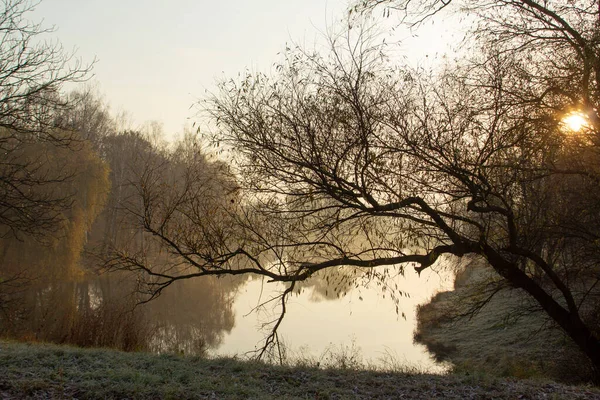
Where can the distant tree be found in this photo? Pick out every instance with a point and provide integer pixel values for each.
(168, 194)
(474, 160)
(89, 115)
(127, 153)
(32, 71)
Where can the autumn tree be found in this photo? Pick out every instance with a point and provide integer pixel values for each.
(39, 202)
(472, 160)
(30, 265)
(32, 72)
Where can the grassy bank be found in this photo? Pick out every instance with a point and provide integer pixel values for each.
(50, 371)
(503, 339)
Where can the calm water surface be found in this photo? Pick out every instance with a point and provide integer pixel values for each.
(365, 320)
(220, 316)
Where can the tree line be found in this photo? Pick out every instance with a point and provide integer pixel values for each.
(67, 179)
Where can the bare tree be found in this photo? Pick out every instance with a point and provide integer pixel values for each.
(89, 115)
(346, 159)
(32, 71)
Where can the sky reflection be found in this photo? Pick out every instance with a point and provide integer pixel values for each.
(311, 328)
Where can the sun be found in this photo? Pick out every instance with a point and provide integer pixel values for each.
(575, 121)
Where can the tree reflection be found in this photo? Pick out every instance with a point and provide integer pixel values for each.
(105, 312)
(332, 285)
(194, 316)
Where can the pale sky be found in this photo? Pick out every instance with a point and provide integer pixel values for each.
(155, 58)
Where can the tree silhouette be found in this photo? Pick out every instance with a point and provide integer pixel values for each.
(348, 159)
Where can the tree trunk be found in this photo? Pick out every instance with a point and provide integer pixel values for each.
(571, 323)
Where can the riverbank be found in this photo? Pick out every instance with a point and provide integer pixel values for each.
(45, 371)
(509, 337)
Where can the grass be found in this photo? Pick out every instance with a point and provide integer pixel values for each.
(51, 372)
(494, 341)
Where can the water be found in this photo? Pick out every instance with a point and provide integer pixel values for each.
(365, 320)
(220, 317)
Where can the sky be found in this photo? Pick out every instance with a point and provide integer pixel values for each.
(156, 58)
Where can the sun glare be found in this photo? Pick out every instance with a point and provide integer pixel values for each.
(575, 121)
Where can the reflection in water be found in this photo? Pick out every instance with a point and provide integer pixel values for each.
(190, 318)
(365, 317)
(218, 316)
(194, 315)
